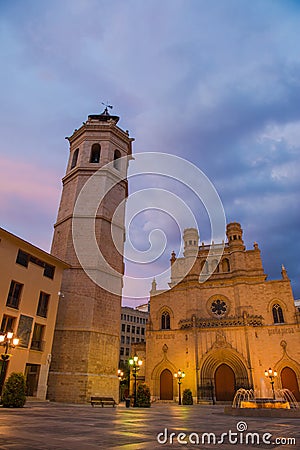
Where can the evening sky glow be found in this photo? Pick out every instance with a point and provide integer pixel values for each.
(217, 83)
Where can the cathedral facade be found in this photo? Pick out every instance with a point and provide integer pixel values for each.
(223, 331)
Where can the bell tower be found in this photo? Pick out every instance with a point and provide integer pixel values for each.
(85, 351)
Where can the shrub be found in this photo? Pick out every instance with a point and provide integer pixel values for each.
(187, 397)
(143, 396)
(14, 391)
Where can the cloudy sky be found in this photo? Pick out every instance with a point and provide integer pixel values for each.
(217, 83)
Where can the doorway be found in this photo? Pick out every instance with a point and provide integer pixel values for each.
(32, 373)
(289, 381)
(224, 383)
(166, 385)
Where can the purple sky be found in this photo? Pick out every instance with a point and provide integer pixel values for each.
(217, 83)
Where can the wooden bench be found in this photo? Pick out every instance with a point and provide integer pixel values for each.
(102, 401)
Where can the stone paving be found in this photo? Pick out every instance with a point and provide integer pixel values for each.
(73, 427)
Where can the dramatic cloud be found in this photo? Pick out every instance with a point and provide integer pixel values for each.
(214, 82)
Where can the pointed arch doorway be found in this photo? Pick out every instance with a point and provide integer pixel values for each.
(166, 385)
(289, 381)
(224, 383)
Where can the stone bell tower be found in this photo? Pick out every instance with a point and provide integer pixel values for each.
(85, 351)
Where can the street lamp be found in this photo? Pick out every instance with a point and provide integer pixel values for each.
(179, 375)
(121, 378)
(271, 374)
(8, 341)
(135, 363)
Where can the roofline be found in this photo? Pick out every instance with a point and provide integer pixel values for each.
(39, 250)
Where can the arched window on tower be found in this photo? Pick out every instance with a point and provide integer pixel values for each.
(165, 321)
(95, 153)
(75, 158)
(117, 156)
(277, 314)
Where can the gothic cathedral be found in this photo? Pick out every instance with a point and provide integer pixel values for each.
(226, 331)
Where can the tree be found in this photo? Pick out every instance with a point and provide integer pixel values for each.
(187, 397)
(14, 391)
(143, 396)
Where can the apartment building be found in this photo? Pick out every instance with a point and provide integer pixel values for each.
(29, 295)
(133, 329)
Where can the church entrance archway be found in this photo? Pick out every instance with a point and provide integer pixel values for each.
(166, 385)
(289, 381)
(224, 383)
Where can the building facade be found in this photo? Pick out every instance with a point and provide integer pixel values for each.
(87, 333)
(29, 295)
(223, 332)
(133, 330)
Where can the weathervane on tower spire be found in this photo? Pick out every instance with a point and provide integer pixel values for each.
(106, 106)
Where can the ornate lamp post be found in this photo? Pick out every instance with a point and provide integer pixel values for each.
(135, 363)
(179, 375)
(271, 374)
(7, 341)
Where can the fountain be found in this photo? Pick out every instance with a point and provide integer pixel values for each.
(287, 395)
(242, 395)
(246, 403)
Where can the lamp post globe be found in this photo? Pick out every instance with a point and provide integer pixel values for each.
(179, 376)
(135, 363)
(271, 374)
(8, 341)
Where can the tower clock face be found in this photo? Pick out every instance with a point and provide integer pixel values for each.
(219, 307)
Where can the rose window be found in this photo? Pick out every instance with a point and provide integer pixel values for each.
(219, 307)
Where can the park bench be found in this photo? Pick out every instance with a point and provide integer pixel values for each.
(102, 401)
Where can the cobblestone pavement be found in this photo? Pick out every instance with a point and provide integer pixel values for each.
(73, 427)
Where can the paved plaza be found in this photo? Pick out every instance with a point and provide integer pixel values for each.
(82, 427)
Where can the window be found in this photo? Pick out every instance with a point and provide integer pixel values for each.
(277, 314)
(24, 330)
(165, 321)
(14, 294)
(128, 340)
(128, 328)
(75, 158)
(218, 307)
(95, 153)
(127, 351)
(215, 265)
(122, 351)
(143, 331)
(225, 265)
(123, 327)
(117, 156)
(49, 271)
(8, 323)
(133, 329)
(22, 258)
(37, 337)
(122, 339)
(42, 308)
(137, 339)
(137, 330)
